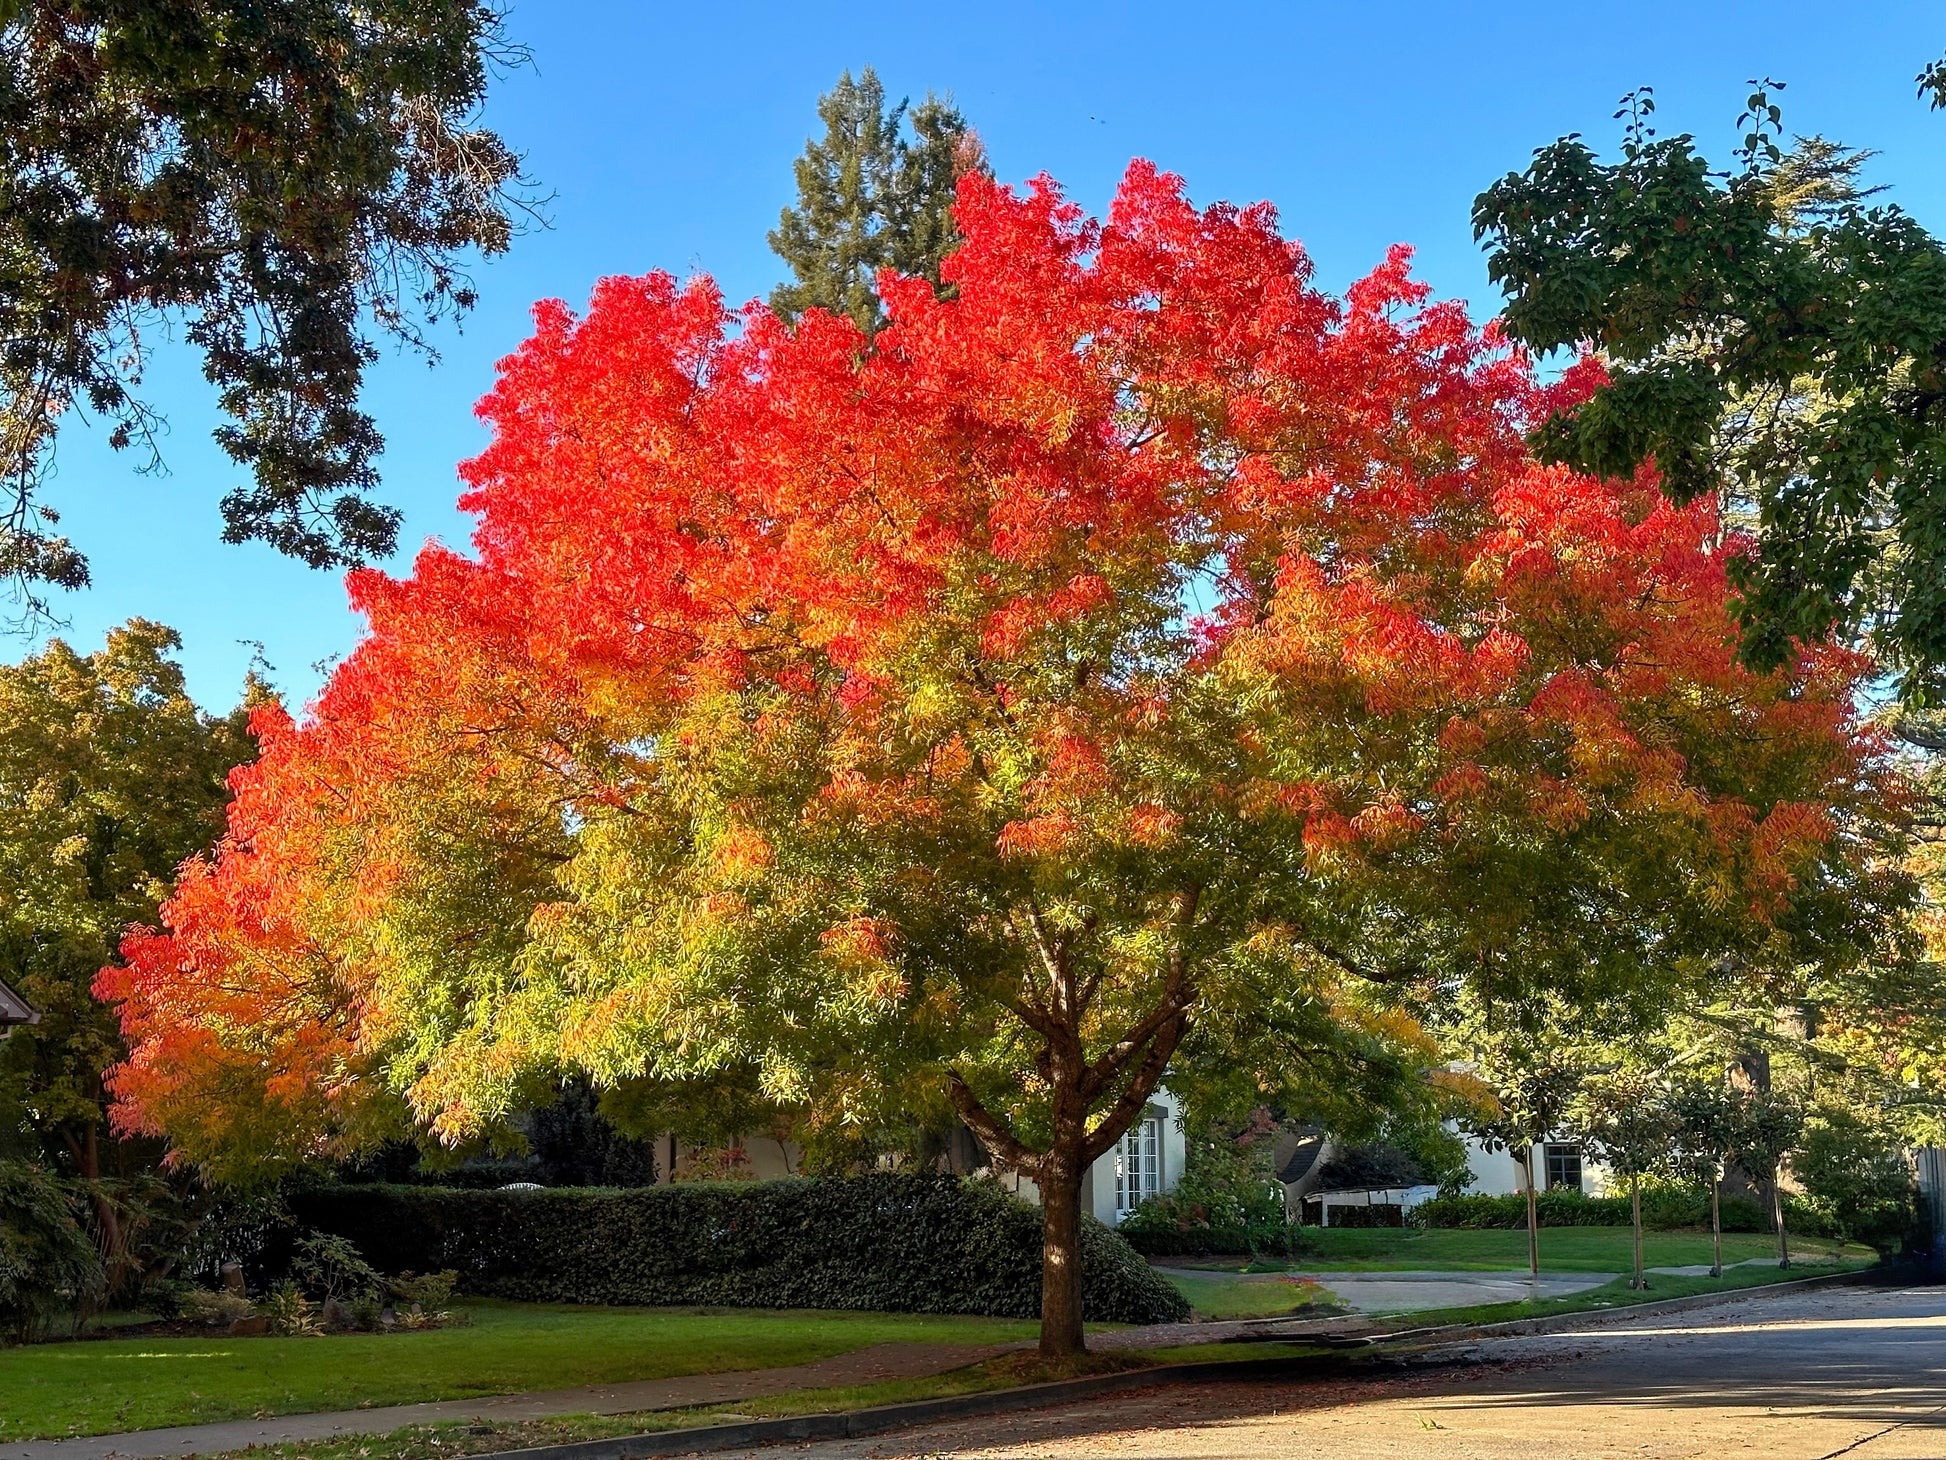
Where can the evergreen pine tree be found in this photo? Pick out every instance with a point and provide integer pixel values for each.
(869, 198)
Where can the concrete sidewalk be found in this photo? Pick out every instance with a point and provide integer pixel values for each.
(861, 1366)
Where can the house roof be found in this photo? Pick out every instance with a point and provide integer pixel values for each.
(16, 1010)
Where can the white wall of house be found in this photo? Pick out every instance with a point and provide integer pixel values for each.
(1146, 1162)
(1500, 1173)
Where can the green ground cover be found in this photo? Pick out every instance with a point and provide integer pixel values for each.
(99, 1386)
(1563, 1249)
(1224, 1295)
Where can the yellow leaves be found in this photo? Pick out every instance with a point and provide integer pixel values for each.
(742, 854)
(860, 949)
(1466, 1091)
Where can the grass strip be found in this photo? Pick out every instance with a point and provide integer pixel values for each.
(108, 1385)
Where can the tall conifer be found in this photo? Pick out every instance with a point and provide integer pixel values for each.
(870, 197)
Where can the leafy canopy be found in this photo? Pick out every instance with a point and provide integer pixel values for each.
(110, 777)
(267, 173)
(1137, 660)
(1773, 334)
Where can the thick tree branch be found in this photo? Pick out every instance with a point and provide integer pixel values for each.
(1134, 1098)
(998, 1140)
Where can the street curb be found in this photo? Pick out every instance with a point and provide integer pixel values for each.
(854, 1423)
(859, 1422)
(1563, 1322)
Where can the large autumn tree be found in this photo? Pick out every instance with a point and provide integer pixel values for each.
(1137, 660)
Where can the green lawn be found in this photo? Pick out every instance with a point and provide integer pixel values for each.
(1222, 1295)
(100, 1386)
(1563, 1249)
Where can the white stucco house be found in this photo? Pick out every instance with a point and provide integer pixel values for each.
(1551, 1165)
(1146, 1162)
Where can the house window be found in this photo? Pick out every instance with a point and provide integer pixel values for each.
(1564, 1167)
(1138, 1165)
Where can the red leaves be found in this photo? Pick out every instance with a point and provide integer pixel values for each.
(1137, 536)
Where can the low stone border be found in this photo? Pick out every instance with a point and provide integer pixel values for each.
(860, 1422)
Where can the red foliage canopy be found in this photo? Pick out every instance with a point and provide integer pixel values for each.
(1135, 616)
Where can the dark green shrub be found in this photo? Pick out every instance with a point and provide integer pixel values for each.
(1743, 1214)
(886, 1242)
(1563, 1208)
(329, 1269)
(1664, 1206)
(1228, 1185)
(1669, 1204)
(1856, 1184)
(48, 1264)
(1379, 1214)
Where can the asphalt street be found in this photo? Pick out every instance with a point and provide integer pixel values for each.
(1859, 1373)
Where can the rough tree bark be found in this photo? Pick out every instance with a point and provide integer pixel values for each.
(1054, 1006)
(1061, 1290)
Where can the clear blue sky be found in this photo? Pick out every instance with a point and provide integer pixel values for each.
(667, 135)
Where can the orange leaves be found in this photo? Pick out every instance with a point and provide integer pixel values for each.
(1138, 564)
(742, 854)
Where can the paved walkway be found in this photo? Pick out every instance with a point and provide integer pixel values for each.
(861, 1366)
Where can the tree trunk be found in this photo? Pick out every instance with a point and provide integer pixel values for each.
(1533, 1217)
(1716, 1226)
(1777, 1216)
(1635, 1211)
(1060, 1183)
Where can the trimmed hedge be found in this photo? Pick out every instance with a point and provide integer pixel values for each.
(1662, 1209)
(1378, 1214)
(884, 1242)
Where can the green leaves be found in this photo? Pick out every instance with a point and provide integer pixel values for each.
(870, 198)
(278, 177)
(109, 777)
(1770, 335)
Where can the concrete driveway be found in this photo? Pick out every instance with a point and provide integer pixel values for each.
(1413, 1292)
(1859, 1373)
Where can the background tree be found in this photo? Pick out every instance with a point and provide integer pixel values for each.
(871, 197)
(110, 777)
(48, 1265)
(1624, 1119)
(1771, 333)
(1531, 1078)
(1766, 1127)
(276, 175)
(1136, 661)
(1856, 1176)
(1704, 1114)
